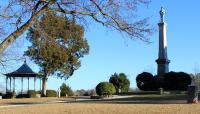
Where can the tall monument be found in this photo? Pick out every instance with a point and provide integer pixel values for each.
(162, 61)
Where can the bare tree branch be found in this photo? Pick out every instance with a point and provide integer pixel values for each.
(120, 15)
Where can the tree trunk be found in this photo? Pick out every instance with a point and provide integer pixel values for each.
(44, 86)
(13, 36)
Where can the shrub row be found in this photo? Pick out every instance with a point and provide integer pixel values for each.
(171, 81)
(51, 93)
(30, 94)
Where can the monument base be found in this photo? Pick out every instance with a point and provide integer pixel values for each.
(163, 66)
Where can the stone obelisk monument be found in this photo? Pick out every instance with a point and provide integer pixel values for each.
(162, 61)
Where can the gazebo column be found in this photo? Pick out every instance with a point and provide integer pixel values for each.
(34, 83)
(22, 85)
(28, 83)
(10, 84)
(13, 84)
(6, 84)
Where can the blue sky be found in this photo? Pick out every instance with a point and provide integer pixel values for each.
(112, 52)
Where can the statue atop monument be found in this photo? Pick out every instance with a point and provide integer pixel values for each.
(162, 13)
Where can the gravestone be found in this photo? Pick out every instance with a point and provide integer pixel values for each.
(58, 92)
(192, 94)
(161, 91)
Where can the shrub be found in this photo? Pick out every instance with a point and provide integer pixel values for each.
(176, 81)
(87, 93)
(51, 93)
(38, 92)
(22, 96)
(66, 90)
(146, 82)
(8, 95)
(32, 94)
(105, 88)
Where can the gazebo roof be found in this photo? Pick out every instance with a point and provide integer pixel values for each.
(23, 71)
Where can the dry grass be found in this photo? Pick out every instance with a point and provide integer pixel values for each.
(4, 102)
(136, 105)
(102, 108)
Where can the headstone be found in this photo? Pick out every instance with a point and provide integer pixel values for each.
(161, 91)
(58, 92)
(38, 95)
(192, 94)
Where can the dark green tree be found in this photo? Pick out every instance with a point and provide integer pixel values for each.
(146, 82)
(120, 81)
(66, 90)
(58, 48)
(176, 81)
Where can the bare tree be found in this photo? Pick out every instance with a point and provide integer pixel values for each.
(196, 76)
(121, 15)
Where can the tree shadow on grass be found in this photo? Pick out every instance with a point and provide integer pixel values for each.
(138, 99)
(149, 99)
(24, 103)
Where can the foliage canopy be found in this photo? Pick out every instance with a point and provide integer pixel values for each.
(120, 81)
(60, 46)
(66, 90)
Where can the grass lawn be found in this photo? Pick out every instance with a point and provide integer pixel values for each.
(4, 102)
(104, 108)
(138, 104)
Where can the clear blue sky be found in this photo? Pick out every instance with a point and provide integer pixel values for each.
(111, 52)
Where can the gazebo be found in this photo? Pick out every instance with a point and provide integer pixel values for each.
(24, 72)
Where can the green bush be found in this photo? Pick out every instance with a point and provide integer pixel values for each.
(8, 95)
(176, 81)
(105, 88)
(147, 82)
(51, 93)
(32, 94)
(38, 92)
(66, 90)
(22, 96)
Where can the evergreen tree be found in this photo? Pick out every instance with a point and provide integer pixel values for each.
(57, 46)
(120, 81)
(66, 90)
